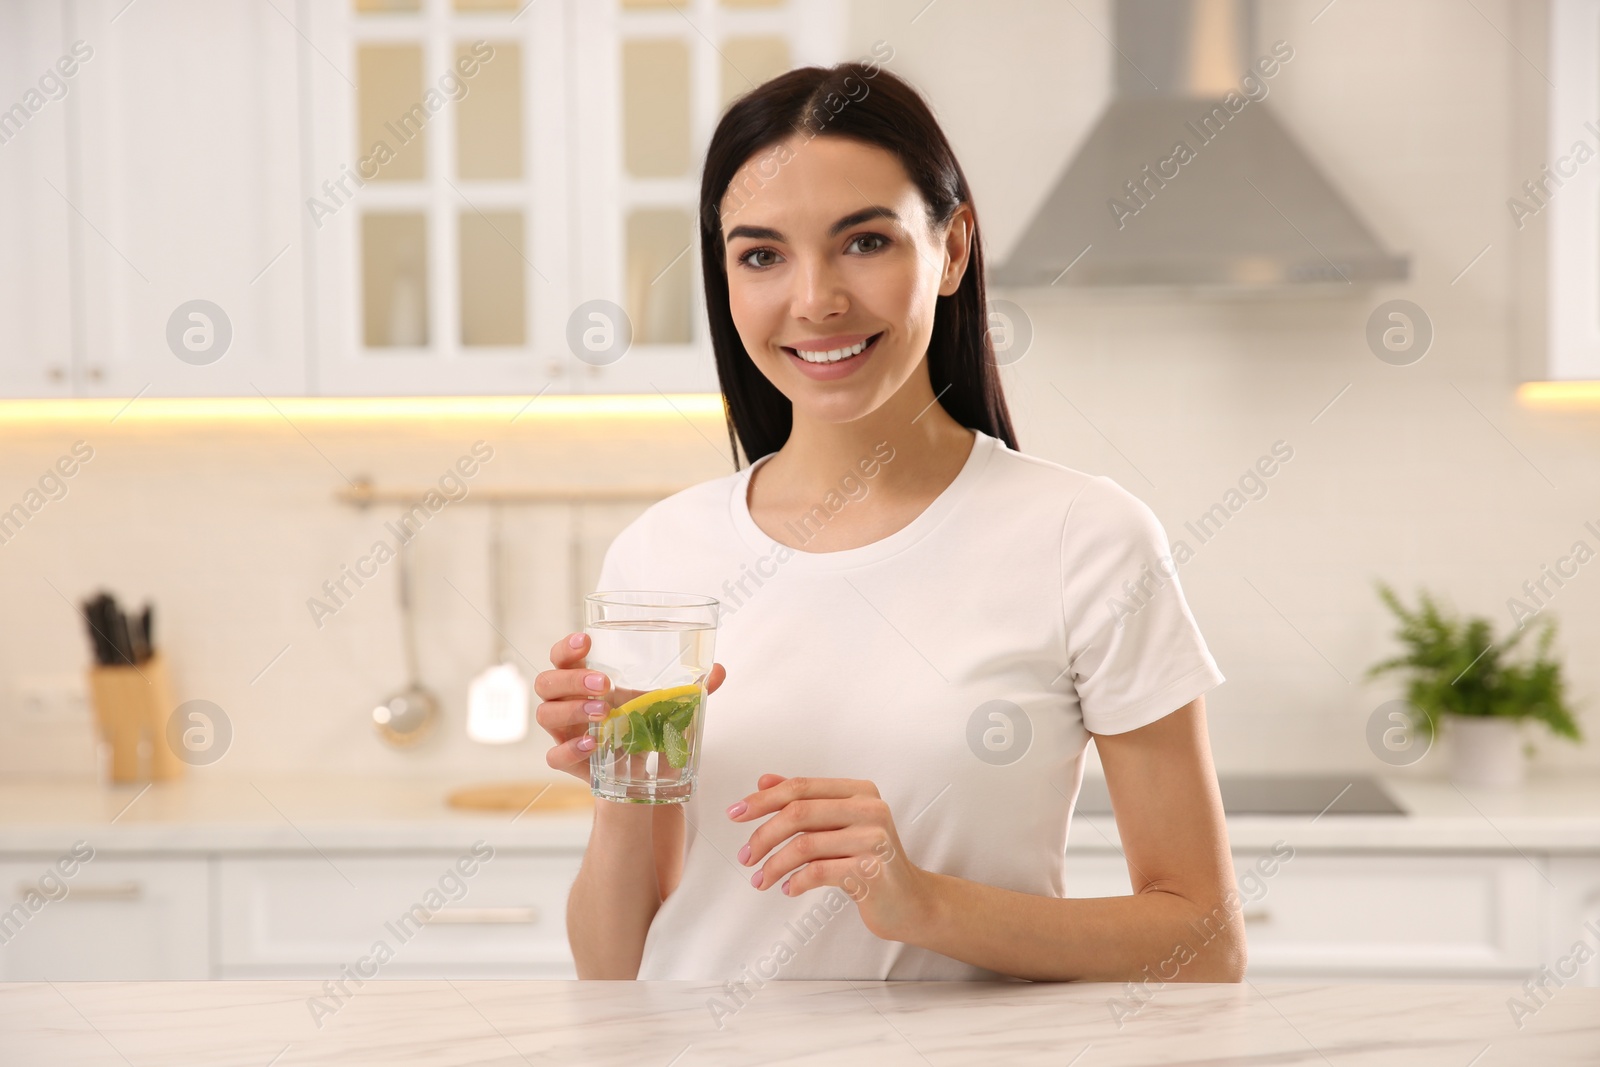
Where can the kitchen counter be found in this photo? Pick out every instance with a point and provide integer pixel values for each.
(268, 814)
(882, 1024)
(1552, 813)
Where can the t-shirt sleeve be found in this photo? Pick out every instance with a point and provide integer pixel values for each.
(1134, 651)
(619, 567)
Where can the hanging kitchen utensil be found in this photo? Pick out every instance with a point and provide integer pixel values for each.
(407, 716)
(497, 700)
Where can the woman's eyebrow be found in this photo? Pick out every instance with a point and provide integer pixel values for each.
(764, 233)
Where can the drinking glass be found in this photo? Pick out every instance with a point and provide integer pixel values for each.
(656, 648)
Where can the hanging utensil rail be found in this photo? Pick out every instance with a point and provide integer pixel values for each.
(363, 494)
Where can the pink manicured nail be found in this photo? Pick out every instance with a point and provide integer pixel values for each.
(736, 810)
(760, 877)
(744, 854)
(576, 640)
(786, 889)
(596, 682)
(585, 744)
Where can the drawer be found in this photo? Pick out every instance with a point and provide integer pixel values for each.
(111, 919)
(1368, 914)
(411, 915)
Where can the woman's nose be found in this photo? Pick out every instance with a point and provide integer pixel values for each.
(819, 291)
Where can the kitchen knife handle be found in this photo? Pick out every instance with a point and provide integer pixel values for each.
(120, 635)
(94, 612)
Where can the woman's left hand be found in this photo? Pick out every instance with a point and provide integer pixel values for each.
(841, 833)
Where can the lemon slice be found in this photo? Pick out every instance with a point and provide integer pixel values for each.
(615, 726)
(644, 700)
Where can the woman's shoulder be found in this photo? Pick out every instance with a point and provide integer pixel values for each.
(689, 508)
(1084, 502)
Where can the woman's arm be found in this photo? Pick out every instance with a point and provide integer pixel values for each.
(669, 840)
(633, 862)
(1182, 922)
(616, 893)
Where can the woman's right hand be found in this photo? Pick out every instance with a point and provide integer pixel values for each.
(570, 705)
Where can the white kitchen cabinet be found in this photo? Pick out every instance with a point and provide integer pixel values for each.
(186, 151)
(166, 173)
(1554, 204)
(36, 357)
(408, 225)
(1354, 915)
(121, 919)
(204, 177)
(308, 916)
(1573, 942)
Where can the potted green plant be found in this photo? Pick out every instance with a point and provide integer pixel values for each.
(1462, 677)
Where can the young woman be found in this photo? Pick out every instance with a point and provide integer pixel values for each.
(925, 625)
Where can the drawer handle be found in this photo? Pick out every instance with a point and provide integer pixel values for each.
(117, 891)
(523, 916)
(1258, 915)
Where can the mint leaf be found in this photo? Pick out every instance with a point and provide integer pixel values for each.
(639, 739)
(673, 744)
(683, 714)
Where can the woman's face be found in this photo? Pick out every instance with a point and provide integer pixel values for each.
(828, 246)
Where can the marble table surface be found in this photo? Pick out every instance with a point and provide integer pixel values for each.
(885, 1024)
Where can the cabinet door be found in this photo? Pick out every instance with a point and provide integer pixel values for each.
(437, 197)
(189, 172)
(1573, 946)
(417, 915)
(1372, 915)
(649, 86)
(1573, 200)
(112, 920)
(35, 276)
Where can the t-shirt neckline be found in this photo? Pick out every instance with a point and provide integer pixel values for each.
(758, 540)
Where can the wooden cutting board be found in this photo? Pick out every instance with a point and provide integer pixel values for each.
(546, 797)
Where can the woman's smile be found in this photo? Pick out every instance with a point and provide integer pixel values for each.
(832, 357)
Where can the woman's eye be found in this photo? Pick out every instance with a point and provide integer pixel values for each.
(877, 237)
(745, 259)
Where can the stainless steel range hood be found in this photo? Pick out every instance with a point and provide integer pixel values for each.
(1188, 179)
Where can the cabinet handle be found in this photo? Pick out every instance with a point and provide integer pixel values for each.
(523, 916)
(1258, 915)
(56, 374)
(115, 891)
(96, 373)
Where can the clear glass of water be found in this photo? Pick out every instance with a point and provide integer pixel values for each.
(656, 648)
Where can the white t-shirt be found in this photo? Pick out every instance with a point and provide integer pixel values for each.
(959, 664)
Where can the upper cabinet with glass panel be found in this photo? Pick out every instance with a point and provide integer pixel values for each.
(441, 248)
(656, 77)
(468, 196)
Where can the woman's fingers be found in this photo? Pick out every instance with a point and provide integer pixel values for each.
(573, 697)
(572, 756)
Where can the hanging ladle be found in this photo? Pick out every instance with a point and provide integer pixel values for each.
(407, 716)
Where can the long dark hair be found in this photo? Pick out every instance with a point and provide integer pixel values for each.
(864, 102)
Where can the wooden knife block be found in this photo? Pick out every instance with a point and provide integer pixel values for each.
(131, 706)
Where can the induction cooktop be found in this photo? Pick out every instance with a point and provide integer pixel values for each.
(1276, 794)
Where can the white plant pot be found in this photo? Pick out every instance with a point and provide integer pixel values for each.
(1484, 751)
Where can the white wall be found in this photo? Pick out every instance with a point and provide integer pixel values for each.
(1407, 106)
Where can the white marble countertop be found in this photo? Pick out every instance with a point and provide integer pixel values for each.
(1553, 813)
(266, 814)
(671, 1024)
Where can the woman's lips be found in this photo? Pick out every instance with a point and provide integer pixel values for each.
(837, 369)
